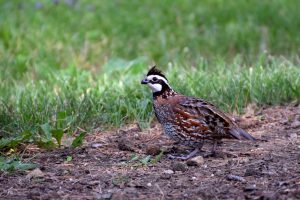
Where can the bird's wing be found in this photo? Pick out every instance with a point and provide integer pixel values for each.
(209, 118)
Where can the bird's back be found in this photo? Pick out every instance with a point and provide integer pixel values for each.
(192, 119)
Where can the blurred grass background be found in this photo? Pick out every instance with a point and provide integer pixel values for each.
(71, 64)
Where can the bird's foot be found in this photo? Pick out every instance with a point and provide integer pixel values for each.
(190, 155)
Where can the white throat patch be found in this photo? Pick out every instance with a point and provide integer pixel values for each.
(155, 87)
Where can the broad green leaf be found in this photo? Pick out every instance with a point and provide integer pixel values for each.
(24, 166)
(47, 133)
(78, 141)
(12, 142)
(57, 134)
(11, 164)
(61, 116)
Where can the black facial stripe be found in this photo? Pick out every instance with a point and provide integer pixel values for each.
(154, 82)
(159, 81)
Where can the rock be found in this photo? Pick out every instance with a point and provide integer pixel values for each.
(232, 177)
(106, 196)
(136, 184)
(196, 161)
(250, 188)
(293, 136)
(96, 145)
(152, 150)
(166, 176)
(169, 171)
(295, 124)
(179, 166)
(36, 173)
(125, 145)
(282, 183)
(219, 172)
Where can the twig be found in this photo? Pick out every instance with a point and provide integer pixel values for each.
(160, 191)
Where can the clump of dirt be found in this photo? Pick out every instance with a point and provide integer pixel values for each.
(128, 164)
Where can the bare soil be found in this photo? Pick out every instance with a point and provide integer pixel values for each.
(113, 165)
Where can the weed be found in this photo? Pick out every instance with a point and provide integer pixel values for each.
(13, 164)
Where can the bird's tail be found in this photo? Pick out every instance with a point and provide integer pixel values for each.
(240, 134)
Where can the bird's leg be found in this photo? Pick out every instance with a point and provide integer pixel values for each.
(214, 147)
(213, 151)
(190, 155)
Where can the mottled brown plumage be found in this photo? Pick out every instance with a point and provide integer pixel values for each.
(189, 120)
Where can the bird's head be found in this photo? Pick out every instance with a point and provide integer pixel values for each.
(156, 80)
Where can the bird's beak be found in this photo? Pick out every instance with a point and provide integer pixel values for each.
(145, 81)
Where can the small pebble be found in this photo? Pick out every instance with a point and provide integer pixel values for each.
(153, 150)
(179, 166)
(96, 145)
(295, 124)
(36, 173)
(232, 177)
(107, 196)
(219, 172)
(282, 183)
(294, 136)
(166, 176)
(250, 188)
(149, 184)
(196, 161)
(125, 145)
(169, 171)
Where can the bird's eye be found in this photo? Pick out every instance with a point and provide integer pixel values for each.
(154, 79)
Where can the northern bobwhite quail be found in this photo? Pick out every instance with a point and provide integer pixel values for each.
(190, 120)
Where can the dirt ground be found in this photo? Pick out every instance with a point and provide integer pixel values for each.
(115, 165)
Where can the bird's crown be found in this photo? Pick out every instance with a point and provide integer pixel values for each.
(155, 71)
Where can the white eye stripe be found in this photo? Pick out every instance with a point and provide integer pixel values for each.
(158, 77)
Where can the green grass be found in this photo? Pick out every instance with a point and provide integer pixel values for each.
(74, 66)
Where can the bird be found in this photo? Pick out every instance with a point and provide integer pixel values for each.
(190, 120)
